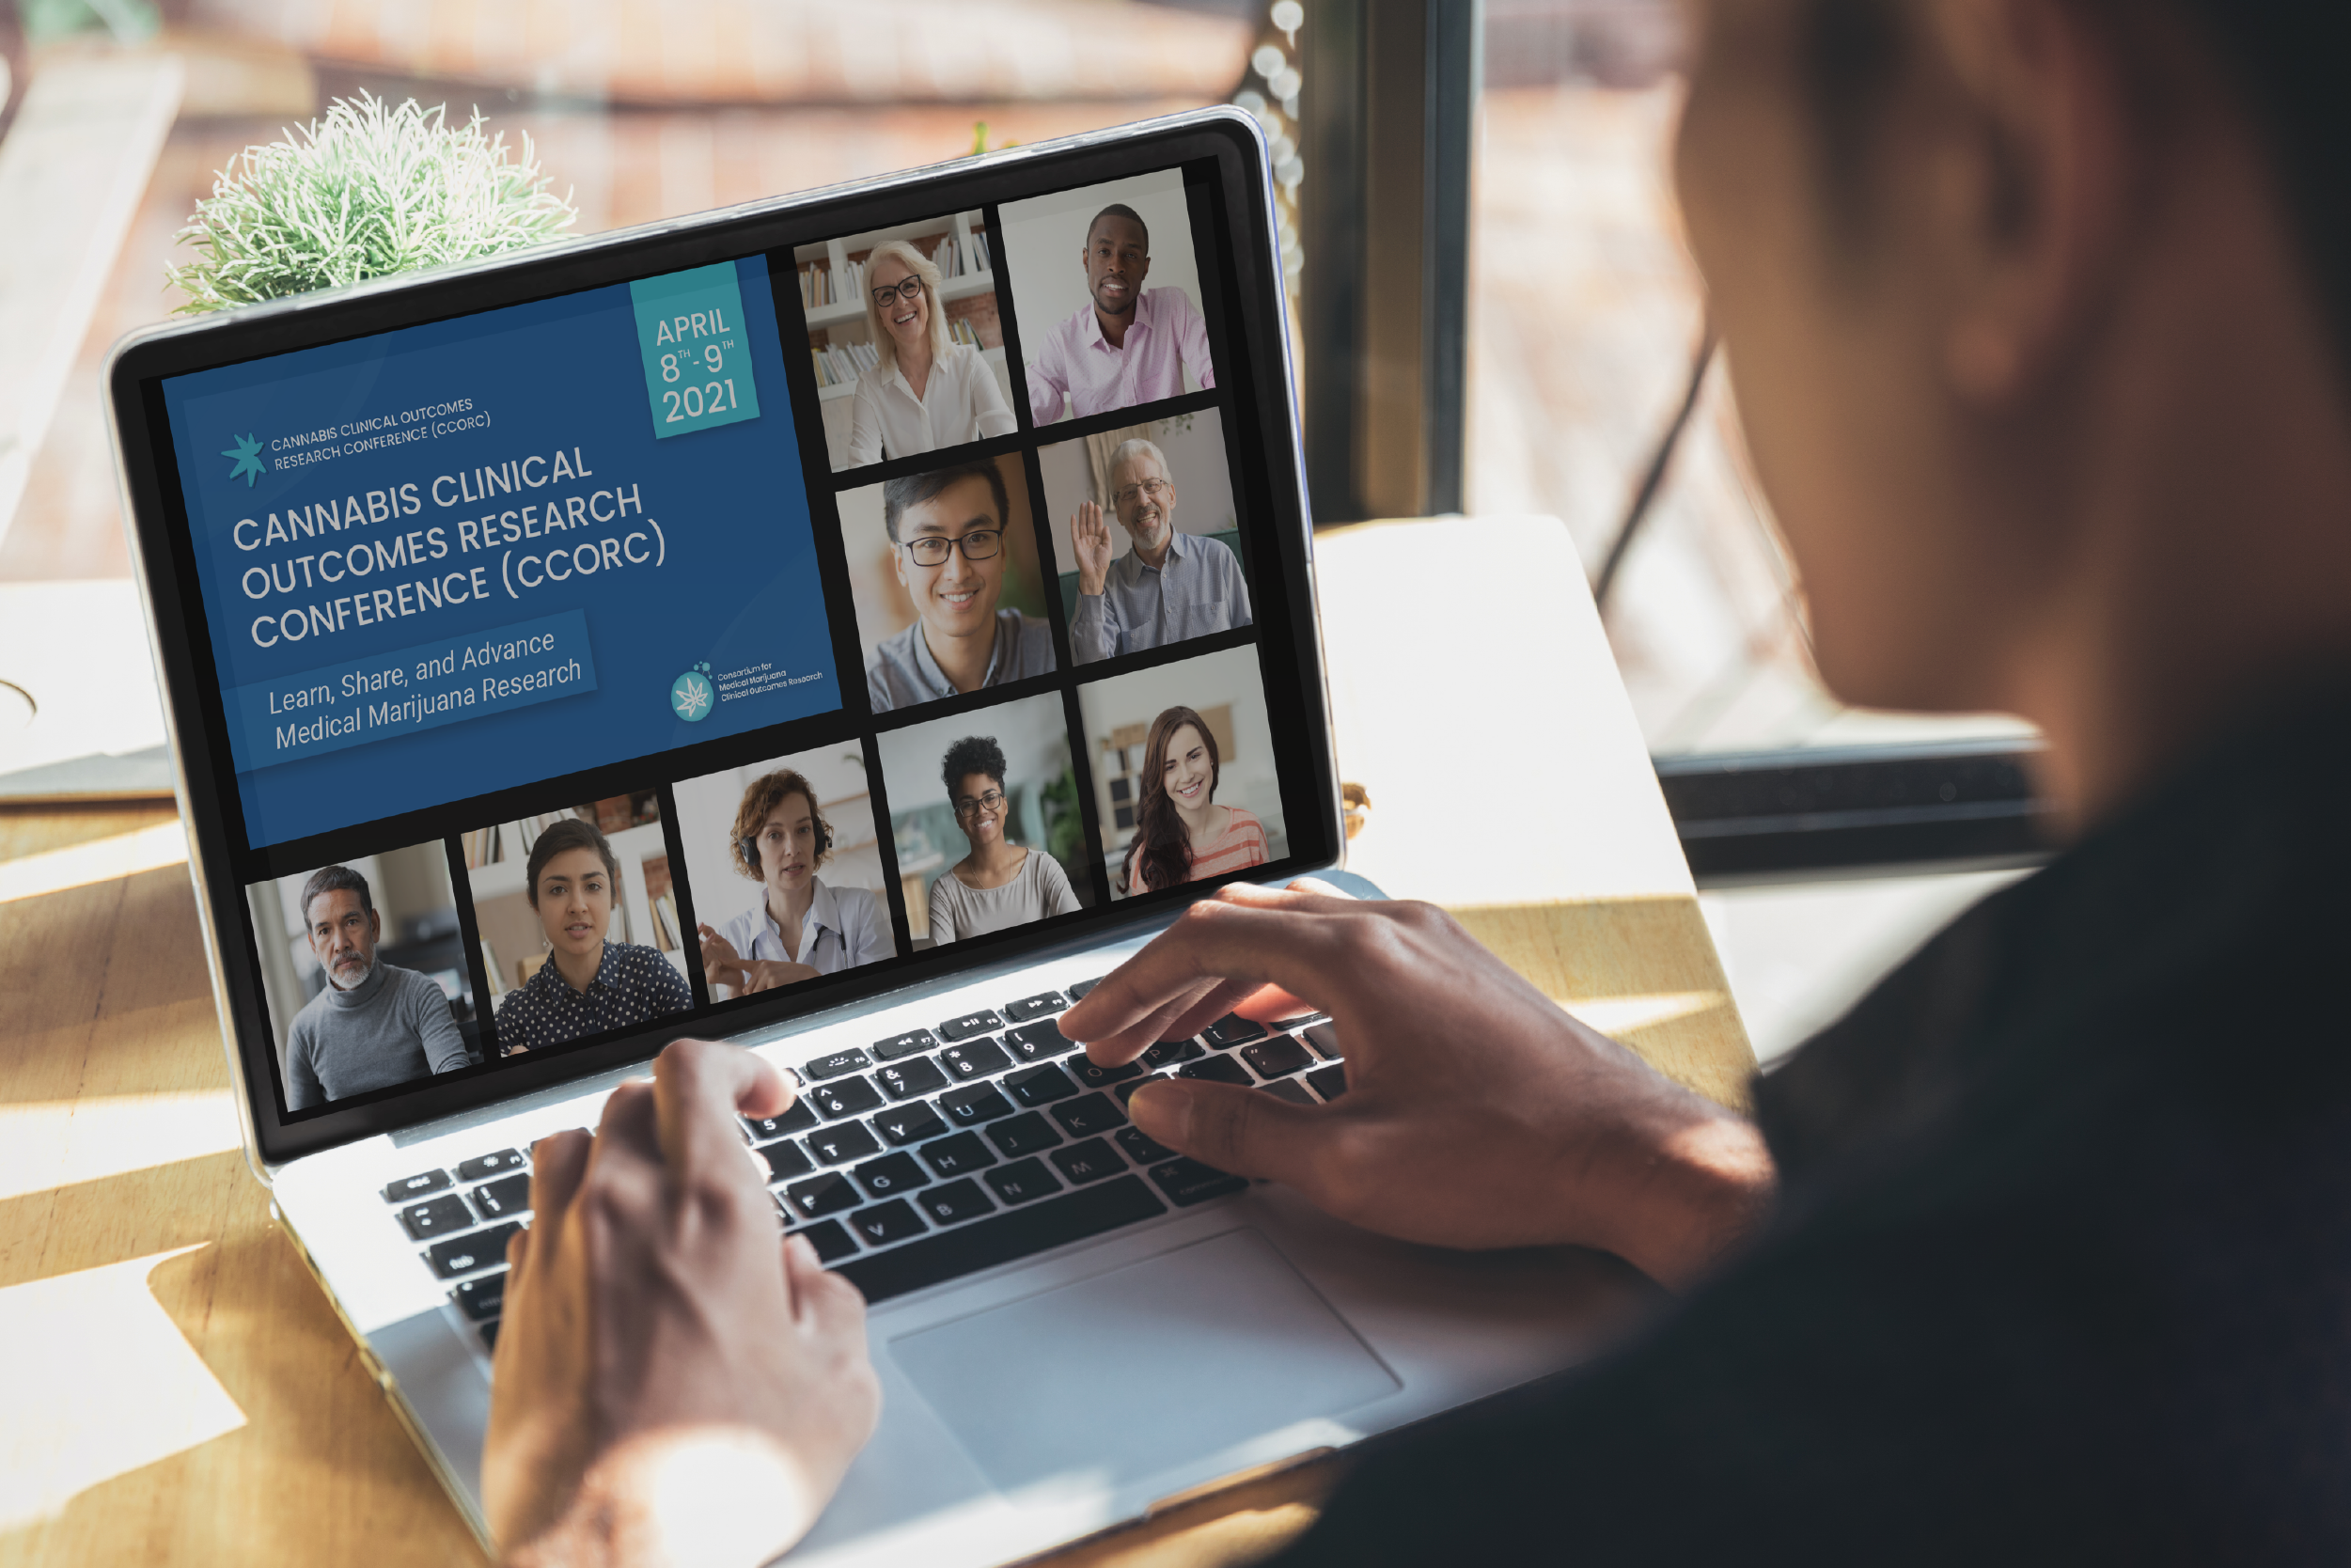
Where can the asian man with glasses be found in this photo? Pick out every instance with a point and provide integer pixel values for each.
(1169, 589)
(946, 545)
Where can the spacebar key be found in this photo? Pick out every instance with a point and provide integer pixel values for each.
(1024, 1232)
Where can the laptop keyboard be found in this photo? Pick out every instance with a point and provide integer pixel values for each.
(932, 1154)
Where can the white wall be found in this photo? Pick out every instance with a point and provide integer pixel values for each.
(1044, 244)
(706, 815)
(1196, 462)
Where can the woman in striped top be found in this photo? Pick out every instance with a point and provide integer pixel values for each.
(1181, 834)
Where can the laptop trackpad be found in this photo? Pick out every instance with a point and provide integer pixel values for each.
(1120, 1376)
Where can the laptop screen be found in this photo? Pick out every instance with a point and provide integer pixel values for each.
(911, 583)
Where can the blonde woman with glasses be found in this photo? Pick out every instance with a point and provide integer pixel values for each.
(929, 391)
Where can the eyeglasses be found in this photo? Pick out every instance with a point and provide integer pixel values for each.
(1156, 489)
(977, 546)
(988, 804)
(908, 288)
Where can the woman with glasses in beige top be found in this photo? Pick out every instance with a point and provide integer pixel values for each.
(929, 391)
(999, 883)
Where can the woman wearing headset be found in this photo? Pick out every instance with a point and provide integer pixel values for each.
(587, 985)
(998, 883)
(1181, 834)
(802, 927)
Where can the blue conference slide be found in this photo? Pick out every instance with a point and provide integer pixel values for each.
(457, 558)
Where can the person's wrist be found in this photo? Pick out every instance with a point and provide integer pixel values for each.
(1674, 1201)
(714, 1496)
(1090, 587)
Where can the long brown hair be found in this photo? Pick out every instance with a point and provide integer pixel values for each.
(1159, 849)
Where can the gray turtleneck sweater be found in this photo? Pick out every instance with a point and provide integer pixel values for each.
(392, 1026)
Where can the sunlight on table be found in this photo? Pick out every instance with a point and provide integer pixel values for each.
(77, 1421)
(145, 849)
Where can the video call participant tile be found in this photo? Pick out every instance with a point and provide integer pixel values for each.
(1184, 763)
(984, 813)
(1145, 527)
(786, 870)
(364, 974)
(945, 576)
(1109, 297)
(907, 336)
(577, 912)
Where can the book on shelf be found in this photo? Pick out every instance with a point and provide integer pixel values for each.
(959, 330)
(666, 923)
(489, 967)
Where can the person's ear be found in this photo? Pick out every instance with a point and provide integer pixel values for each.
(897, 564)
(2026, 187)
(375, 925)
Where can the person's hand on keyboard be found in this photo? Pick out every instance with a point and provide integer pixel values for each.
(675, 1382)
(1476, 1113)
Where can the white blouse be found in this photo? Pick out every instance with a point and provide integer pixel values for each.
(961, 402)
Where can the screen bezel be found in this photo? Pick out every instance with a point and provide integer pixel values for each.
(157, 523)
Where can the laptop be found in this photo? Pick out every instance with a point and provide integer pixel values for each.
(847, 625)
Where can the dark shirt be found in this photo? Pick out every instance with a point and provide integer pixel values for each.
(2061, 1268)
(632, 985)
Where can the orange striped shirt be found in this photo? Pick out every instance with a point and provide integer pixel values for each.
(1242, 846)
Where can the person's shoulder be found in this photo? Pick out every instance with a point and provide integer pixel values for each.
(1215, 550)
(1170, 301)
(1036, 640)
(1242, 820)
(410, 986)
(853, 903)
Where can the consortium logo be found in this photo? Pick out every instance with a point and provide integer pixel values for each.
(690, 695)
(247, 463)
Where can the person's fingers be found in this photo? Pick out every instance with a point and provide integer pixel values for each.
(557, 1162)
(1271, 1004)
(1242, 1131)
(698, 1087)
(1142, 1035)
(1237, 939)
(823, 1302)
(1211, 1005)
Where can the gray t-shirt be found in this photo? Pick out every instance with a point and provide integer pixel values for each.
(390, 1028)
(1038, 889)
(901, 672)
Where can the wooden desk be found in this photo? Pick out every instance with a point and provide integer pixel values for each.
(177, 1387)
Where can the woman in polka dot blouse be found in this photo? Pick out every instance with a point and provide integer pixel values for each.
(587, 985)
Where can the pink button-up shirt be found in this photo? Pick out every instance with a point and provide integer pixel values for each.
(1077, 366)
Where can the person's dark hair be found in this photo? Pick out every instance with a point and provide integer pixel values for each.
(2285, 57)
(568, 834)
(1119, 210)
(914, 488)
(335, 878)
(1159, 849)
(970, 755)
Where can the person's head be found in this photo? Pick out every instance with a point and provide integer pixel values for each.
(902, 302)
(779, 836)
(571, 879)
(339, 917)
(947, 535)
(973, 771)
(1142, 494)
(2035, 312)
(1179, 772)
(1117, 258)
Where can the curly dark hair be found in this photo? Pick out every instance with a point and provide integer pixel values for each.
(970, 755)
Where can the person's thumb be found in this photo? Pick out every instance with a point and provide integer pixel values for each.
(1242, 1131)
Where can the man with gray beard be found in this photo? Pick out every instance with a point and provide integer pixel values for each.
(1169, 589)
(375, 1024)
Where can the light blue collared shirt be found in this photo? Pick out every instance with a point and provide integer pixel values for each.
(1197, 590)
